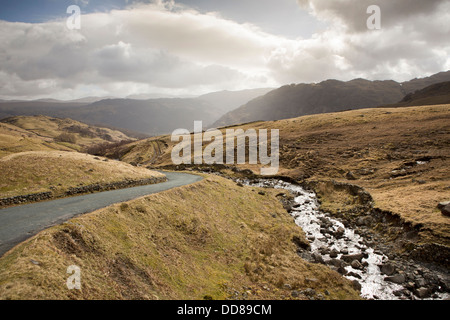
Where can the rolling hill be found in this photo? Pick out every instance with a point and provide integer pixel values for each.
(328, 96)
(42, 133)
(39, 154)
(151, 117)
(391, 152)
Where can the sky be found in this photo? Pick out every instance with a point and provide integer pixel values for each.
(192, 47)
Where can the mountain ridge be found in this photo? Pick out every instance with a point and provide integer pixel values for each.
(331, 95)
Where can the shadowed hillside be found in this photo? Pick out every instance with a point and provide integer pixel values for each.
(438, 93)
(328, 96)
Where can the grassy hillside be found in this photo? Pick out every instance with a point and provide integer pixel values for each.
(400, 155)
(64, 132)
(42, 171)
(14, 139)
(212, 239)
(438, 93)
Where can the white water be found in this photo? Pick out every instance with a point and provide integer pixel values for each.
(307, 215)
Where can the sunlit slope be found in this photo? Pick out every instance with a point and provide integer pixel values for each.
(212, 239)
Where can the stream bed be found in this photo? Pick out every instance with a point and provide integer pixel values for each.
(356, 257)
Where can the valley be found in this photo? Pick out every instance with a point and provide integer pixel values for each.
(376, 173)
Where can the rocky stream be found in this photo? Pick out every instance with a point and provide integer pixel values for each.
(357, 254)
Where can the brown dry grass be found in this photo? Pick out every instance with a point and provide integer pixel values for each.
(375, 144)
(212, 238)
(35, 133)
(40, 171)
(14, 139)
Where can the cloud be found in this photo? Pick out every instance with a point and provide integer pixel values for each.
(413, 41)
(352, 14)
(150, 45)
(168, 48)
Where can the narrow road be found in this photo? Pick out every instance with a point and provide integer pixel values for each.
(22, 222)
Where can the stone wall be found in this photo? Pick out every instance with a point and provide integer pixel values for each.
(42, 196)
(35, 197)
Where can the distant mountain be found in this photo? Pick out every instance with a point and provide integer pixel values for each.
(35, 108)
(328, 96)
(435, 94)
(152, 116)
(418, 84)
(226, 101)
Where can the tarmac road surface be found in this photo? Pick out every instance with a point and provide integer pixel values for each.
(22, 222)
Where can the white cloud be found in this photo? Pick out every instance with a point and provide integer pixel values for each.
(165, 47)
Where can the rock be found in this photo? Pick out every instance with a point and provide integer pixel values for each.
(305, 255)
(294, 294)
(350, 176)
(311, 280)
(309, 292)
(398, 293)
(262, 193)
(350, 257)
(420, 283)
(318, 258)
(35, 262)
(409, 285)
(445, 208)
(387, 269)
(356, 285)
(342, 271)
(398, 278)
(339, 233)
(364, 221)
(301, 243)
(353, 274)
(422, 293)
(356, 265)
(334, 253)
(335, 262)
(443, 204)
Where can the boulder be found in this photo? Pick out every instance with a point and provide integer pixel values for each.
(387, 269)
(350, 257)
(422, 293)
(318, 258)
(342, 271)
(364, 221)
(356, 285)
(350, 176)
(356, 265)
(445, 208)
(339, 233)
(443, 204)
(335, 262)
(398, 278)
(353, 274)
(309, 292)
(334, 253)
